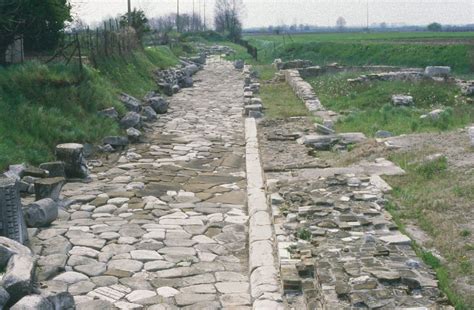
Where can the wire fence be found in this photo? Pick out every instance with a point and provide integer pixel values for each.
(252, 50)
(89, 46)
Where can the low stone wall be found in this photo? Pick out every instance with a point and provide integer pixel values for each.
(303, 90)
(315, 71)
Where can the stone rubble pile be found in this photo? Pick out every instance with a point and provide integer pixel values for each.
(292, 64)
(402, 100)
(19, 289)
(330, 141)
(220, 50)
(47, 180)
(340, 250)
(171, 80)
(467, 87)
(407, 74)
(140, 114)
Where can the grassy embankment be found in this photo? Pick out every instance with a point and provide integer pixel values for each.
(399, 49)
(367, 106)
(43, 105)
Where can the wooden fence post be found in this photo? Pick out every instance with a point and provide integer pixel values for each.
(105, 39)
(79, 52)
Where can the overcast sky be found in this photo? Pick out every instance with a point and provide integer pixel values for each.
(315, 12)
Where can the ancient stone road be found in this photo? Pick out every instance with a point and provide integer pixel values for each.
(165, 227)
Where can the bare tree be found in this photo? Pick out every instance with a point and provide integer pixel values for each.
(228, 14)
(341, 22)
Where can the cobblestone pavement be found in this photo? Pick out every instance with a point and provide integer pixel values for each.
(165, 226)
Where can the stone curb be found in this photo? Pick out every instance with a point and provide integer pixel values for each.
(264, 275)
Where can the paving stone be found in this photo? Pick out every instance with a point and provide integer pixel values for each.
(91, 243)
(184, 299)
(145, 255)
(95, 304)
(124, 304)
(138, 295)
(158, 265)
(177, 251)
(84, 251)
(231, 300)
(199, 289)
(92, 270)
(104, 280)
(111, 294)
(222, 276)
(167, 291)
(125, 264)
(71, 277)
(232, 287)
(82, 287)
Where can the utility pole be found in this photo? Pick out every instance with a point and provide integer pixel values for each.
(129, 13)
(367, 15)
(177, 16)
(205, 15)
(200, 15)
(193, 20)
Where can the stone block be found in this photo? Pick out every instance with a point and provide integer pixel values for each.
(437, 71)
(72, 154)
(19, 277)
(149, 114)
(131, 103)
(159, 104)
(109, 113)
(12, 223)
(133, 134)
(41, 213)
(55, 169)
(131, 119)
(36, 302)
(49, 188)
(252, 107)
(239, 64)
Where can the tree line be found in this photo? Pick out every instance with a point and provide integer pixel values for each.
(42, 24)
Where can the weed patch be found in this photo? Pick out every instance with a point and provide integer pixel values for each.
(367, 107)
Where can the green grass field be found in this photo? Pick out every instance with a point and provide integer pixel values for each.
(416, 49)
(360, 36)
(43, 105)
(367, 107)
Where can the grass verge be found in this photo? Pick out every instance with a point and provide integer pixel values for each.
(436, 199)
(367, 106)
(280, 101)
(43, 105)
